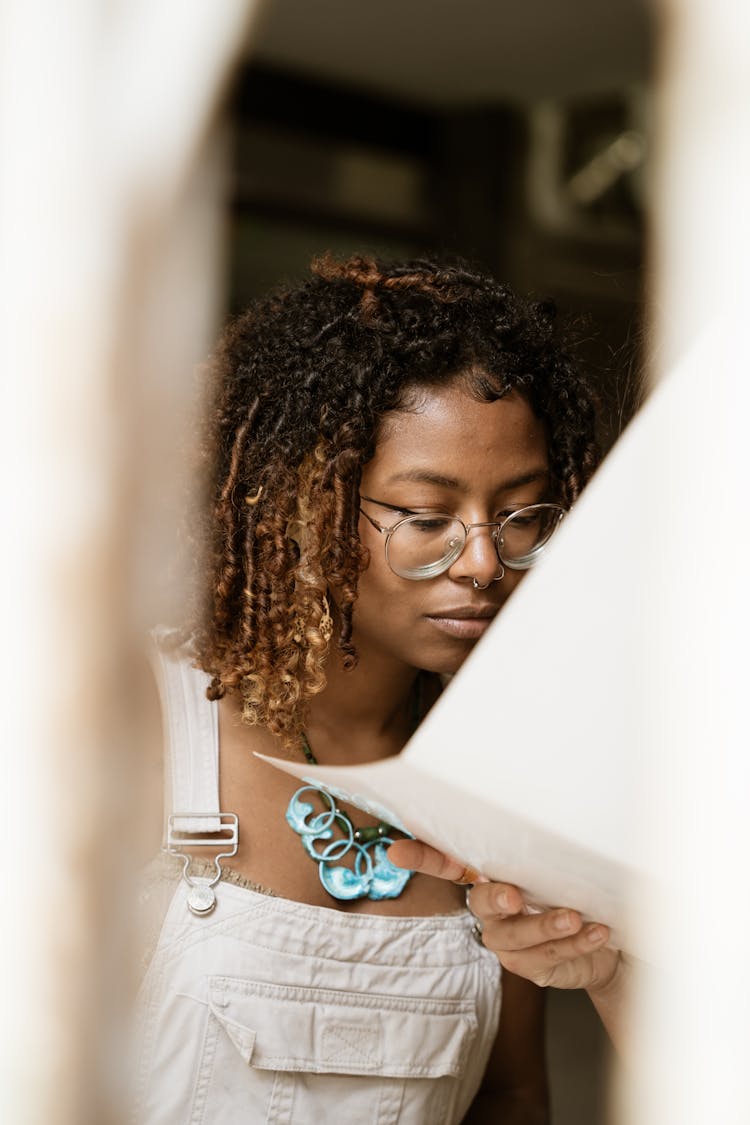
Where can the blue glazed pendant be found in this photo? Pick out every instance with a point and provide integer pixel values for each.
(372, 874)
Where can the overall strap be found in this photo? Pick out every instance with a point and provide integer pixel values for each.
(191, 726)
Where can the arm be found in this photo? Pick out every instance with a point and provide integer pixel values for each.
(554, 949)
(514, 1088)
(611, 1002)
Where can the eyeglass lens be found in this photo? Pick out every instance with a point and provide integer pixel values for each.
(424, 546)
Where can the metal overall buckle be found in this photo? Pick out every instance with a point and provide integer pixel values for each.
(201, 898)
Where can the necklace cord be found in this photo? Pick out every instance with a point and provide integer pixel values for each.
(372, 874)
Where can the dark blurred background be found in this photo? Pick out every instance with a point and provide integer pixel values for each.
(514, 134)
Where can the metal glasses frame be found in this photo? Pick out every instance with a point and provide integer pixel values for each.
(497, 524)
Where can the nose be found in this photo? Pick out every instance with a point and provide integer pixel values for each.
(478, 562)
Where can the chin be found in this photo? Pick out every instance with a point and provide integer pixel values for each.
(453, 666)
(448, 663)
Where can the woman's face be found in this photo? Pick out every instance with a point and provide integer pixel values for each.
(455, 455)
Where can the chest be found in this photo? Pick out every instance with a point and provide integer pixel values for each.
(271, 854)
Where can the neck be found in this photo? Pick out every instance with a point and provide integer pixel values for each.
(364, 714)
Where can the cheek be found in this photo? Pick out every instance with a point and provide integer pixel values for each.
(386, 604)
(377, 572)
(377, 581)
(512, 580)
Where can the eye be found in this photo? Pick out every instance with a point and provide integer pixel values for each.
(430, 523)
(520, 520)
(395, 509)
(526, 520)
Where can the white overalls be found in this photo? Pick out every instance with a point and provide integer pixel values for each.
(269, 1010)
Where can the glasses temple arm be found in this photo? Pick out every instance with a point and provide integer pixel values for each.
(375, 524)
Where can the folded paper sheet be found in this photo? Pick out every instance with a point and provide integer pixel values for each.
(529, 765)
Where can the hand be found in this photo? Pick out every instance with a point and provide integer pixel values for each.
(554, 948)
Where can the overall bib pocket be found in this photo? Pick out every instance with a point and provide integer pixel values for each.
(283, 1054)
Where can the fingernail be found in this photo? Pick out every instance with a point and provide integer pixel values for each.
(468, 877)
(595, 934)
(501, 900)
(562, 921)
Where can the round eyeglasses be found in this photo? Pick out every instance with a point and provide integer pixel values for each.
(425, 544)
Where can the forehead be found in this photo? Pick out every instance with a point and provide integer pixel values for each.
(449, 432)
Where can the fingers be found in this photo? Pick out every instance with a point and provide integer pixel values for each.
(569, 963)
(488, 900)
(546, 948)
(551, 947)
(417, 856)
(522, 931)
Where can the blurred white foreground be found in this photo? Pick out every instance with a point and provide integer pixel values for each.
(110, 213)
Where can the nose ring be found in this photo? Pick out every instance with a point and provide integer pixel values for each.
(479, 586)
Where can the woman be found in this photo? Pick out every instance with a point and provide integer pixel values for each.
(390, 448)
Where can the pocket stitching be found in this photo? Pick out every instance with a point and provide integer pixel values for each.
(348, 1042)
(423, 1005)
(207, 1058)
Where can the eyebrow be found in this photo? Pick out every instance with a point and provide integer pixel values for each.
(426, 476)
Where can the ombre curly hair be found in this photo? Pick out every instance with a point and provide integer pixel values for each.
(299, 386)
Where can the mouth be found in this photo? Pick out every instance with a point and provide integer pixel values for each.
(465, 622)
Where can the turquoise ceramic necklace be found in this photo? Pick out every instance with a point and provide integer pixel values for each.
(330, 836)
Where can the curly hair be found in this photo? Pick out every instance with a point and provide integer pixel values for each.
(300, 383)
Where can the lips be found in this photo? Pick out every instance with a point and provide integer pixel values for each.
(464, 612)
(464, 622)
